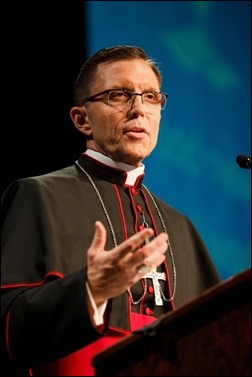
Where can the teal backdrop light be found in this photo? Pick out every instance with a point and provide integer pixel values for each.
(203, 50)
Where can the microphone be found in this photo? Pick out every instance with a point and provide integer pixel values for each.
(243, 161)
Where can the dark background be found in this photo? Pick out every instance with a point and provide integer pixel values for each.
(43, 48)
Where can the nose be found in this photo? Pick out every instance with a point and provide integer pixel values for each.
(136, 106)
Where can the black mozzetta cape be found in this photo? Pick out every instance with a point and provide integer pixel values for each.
(48, 225)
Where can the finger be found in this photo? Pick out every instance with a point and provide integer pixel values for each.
(99, 238)
(156, 248)
(150, 255)
(132, 243)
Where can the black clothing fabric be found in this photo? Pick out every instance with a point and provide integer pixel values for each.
(47, 227)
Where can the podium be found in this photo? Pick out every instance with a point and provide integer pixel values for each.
(209, 336)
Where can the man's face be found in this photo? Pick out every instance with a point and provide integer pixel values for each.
(129, 134)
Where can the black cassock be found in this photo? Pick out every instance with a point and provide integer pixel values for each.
(48, 225)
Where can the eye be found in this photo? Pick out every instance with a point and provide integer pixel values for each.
(118, 96)
(150, 97)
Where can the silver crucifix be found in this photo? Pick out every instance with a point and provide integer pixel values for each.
(156, 276)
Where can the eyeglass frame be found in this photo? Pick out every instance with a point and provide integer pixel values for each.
(132, 94)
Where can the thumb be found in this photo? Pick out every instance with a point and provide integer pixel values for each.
(99, 239)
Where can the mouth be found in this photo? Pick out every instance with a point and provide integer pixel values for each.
(136, 132)
(136, 129)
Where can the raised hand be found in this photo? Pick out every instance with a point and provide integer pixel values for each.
(111, 272)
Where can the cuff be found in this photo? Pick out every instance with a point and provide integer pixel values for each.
(98, 310)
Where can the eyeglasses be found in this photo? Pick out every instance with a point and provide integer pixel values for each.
(121, 98)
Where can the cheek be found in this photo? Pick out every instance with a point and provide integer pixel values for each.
(100, 119)
(110, 125)
(103, 126)
(154, 134)
(155, 129)
(97, 122)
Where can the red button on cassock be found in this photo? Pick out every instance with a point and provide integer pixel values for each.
(150, 289)
(134, 191)
(148, 311)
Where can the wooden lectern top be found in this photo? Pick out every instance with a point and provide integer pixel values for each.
(209, 336)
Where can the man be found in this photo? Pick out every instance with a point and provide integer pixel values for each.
(88, 253)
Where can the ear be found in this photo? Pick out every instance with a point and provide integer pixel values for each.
(80, 120)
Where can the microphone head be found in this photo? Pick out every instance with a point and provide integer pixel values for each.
(243, 161)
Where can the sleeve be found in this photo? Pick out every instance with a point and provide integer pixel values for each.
(44, 310)
(48, 322)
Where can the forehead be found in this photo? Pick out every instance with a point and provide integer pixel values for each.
(133, 72)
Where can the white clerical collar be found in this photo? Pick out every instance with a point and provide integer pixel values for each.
(132, 172)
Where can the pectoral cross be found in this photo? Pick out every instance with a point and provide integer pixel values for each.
(156, 276)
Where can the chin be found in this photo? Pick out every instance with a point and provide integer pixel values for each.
(136, 159)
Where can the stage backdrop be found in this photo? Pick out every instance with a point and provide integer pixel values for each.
(203, 50)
